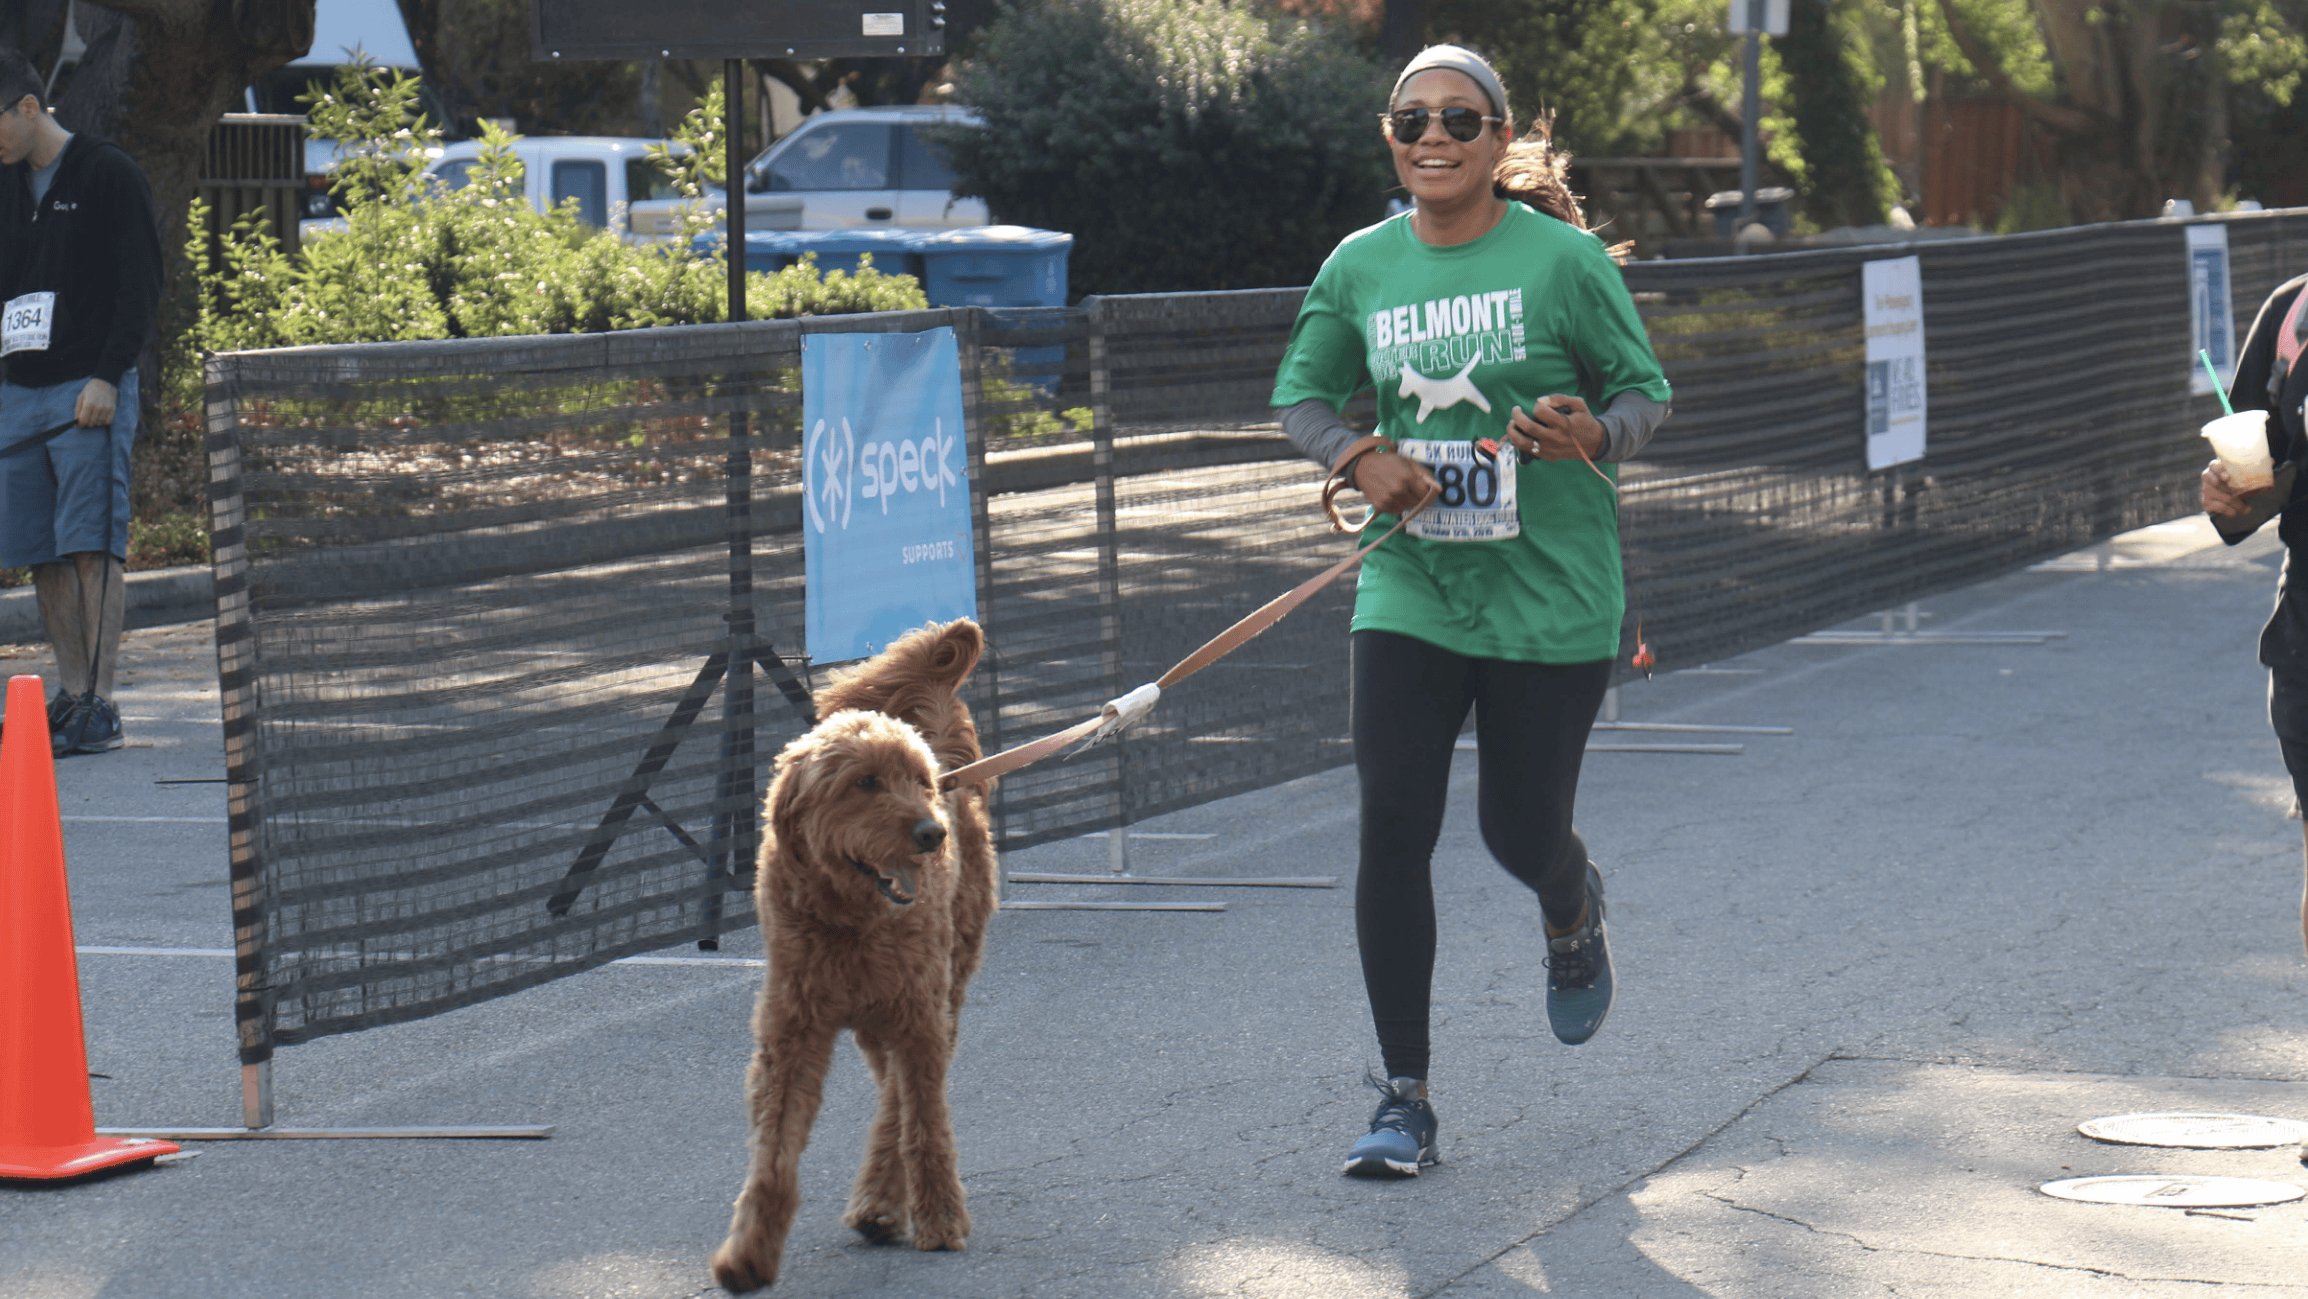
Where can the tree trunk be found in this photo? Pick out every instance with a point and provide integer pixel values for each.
(423, 20)
(652, 115)
(1836, 138)
(1402, 33)
(2139, 114)
(157, 75)
(35, 29)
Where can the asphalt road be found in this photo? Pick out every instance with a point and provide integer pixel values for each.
(1873, 974)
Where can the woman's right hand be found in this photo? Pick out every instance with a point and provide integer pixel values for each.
(1392, 483)
(2220, 497)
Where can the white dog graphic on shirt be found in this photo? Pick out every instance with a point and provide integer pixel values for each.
(1437, 394)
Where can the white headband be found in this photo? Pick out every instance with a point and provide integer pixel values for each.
(1463, 61)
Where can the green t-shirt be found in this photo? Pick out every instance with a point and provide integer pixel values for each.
(1533, 308)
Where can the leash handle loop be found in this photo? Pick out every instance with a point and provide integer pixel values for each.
(1341, 478)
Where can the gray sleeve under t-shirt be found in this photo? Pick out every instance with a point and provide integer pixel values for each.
(1317, 431)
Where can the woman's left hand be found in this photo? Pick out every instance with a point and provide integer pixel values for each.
(1558, 428)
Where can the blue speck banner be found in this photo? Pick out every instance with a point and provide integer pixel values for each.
(886, 486)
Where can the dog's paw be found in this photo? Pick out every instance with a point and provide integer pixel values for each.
(942, 1230)
(740, 1270)
(878, 1226)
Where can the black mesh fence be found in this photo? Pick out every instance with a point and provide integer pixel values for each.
(509, 629)
(2059, 414)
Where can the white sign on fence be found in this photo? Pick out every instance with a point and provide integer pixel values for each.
(1893, 293)
(2210, 308)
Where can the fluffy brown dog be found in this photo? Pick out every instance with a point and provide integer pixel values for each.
(874, 891)
(918, 680)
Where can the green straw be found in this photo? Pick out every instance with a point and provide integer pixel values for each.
(2205, 356)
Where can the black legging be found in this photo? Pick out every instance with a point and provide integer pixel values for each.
(1410, 699)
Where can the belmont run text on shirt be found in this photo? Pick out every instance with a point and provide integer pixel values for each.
(1447, 335)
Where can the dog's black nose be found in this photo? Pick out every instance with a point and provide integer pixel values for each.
(928, 834)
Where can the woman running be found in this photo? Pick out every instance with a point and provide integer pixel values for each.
(1479, 321)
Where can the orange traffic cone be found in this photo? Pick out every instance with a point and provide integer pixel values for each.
(47, 1123)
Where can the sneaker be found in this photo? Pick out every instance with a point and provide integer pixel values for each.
(1401, 1133)
(1579, 985)
(59, 708)
(91, 726)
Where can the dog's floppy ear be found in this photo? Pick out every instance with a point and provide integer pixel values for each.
(802, 770)
(955, 656)
(936, 655)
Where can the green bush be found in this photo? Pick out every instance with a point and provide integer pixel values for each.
(416, 261)
(170, 541)
(1843, 178)
(1185, 144)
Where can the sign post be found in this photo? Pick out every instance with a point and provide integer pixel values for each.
(1754, 17)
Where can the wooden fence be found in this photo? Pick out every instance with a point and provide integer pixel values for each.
(255, 163)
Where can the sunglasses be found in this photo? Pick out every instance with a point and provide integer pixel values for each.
(1461, 124)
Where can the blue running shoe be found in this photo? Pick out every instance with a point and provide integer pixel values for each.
(1579, 985)
(1401, 1136)
(92, 726)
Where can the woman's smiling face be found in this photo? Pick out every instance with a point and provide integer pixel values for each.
(1435, 168)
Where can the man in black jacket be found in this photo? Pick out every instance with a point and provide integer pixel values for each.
(2272, 375)
(79, 280)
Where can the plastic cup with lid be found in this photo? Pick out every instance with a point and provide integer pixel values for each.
(2241, 442)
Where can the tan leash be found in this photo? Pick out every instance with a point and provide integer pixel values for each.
(1130, 708)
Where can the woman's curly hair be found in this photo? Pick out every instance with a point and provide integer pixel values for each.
(1535, 173)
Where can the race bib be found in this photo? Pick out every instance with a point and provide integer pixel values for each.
(25, 321)
(1478, 497)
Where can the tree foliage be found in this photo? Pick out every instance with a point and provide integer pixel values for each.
(416, 261)
(1186, 144)
(1841, 177)
(1616, 73)
(1594, 64)
(2267, 114)
(2131, 96)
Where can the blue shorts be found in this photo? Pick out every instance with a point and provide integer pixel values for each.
(69, 494)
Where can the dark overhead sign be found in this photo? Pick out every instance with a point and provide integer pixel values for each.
(565, 30)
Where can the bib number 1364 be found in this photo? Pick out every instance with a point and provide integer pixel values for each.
(25, 323)
(1477, 502)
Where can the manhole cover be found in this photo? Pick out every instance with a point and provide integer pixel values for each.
(2197, 1131)
(2180, 1192)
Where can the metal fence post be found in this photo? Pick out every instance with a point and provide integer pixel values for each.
(988, 677)
(1109, 576)
(733, 830)
(236, 684)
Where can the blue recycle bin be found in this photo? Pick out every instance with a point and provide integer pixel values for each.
(836, 250)
(994, 266)
(1001, 266)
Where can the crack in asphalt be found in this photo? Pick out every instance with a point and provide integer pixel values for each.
(1589, 1202)
(1729, 1203)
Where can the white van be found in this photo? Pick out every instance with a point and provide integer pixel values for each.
(867, 167)
(614, 182)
